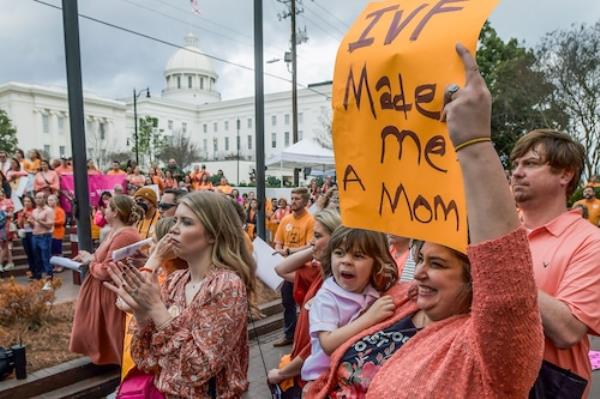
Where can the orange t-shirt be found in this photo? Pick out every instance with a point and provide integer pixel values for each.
(32, 166)
(59, 223)
(159, 182)
(295, 232)
(117, 172)
(196, 179)
(566, 265)
(593, 207)
(226, 189)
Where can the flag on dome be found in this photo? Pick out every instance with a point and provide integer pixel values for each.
(195, 8)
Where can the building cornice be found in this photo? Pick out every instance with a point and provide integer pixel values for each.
(58, 92)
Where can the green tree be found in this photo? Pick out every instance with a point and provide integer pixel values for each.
(523, 97)
(8, 134)
(151, 140)
(570, 60)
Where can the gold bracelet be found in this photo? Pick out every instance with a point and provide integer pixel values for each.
(471, 142)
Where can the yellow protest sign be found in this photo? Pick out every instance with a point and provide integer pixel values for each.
(397, 169)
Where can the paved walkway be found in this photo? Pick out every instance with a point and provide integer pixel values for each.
(256, 373)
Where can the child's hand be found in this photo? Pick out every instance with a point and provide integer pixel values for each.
(381, 309)
(274, 377)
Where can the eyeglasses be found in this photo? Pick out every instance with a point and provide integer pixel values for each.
(163, 206)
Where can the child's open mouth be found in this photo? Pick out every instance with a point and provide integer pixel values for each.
(346, 275)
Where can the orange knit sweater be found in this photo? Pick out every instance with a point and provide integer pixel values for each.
(493, 352)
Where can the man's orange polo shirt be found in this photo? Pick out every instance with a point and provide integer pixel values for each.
(566, 265)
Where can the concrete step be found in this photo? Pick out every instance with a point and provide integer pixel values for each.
(20, 257)
(18, 271)
(18, 250)
(54, 378)
(98, 386)
(271, 308)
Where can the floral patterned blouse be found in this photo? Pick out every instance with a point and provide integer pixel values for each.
(361, 361)
(206, 339)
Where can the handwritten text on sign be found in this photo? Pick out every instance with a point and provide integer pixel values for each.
(397, 168)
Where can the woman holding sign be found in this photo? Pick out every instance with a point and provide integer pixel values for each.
(472, 327)
(98, 326)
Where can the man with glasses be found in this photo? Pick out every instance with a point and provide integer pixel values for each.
(169, 201)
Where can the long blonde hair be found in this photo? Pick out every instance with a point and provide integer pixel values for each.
(221, 222)
(329, 218)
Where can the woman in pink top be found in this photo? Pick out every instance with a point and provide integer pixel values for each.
(473, 329)
(92, 170)
(6, 217)
(15, 173)
(136, 178)
(46, 180)
(98, 325)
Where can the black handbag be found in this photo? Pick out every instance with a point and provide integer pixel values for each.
(554, 382)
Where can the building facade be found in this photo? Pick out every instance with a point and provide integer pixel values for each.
(189, 105)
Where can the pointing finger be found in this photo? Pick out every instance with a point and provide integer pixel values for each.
(472, 74)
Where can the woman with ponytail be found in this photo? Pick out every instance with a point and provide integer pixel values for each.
(98, 325)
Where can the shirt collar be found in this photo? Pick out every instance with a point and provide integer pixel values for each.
(558, 225)
(369, 291)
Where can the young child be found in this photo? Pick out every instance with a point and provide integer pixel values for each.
(358, 268)
(58, 233)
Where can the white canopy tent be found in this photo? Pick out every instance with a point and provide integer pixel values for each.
(306, 153)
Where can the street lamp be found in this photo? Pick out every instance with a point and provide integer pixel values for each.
(238, 150)
(136, 94)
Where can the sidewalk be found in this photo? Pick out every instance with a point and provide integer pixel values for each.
(256, 372)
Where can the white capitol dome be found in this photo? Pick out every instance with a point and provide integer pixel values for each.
(190, 76)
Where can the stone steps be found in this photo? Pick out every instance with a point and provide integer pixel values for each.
(79, 378)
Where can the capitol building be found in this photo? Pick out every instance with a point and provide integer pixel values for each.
(190, 104)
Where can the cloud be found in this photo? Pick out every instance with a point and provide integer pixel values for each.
(114, 62)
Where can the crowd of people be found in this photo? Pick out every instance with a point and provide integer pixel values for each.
(379, 316)
(42, 239)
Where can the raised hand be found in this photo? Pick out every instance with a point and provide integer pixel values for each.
(468, 110)
(164, 249)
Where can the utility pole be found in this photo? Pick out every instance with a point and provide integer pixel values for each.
(237, 143)
(296, 38)
(135, 129)
(259, 115)
(76, 119)
(294, 76)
